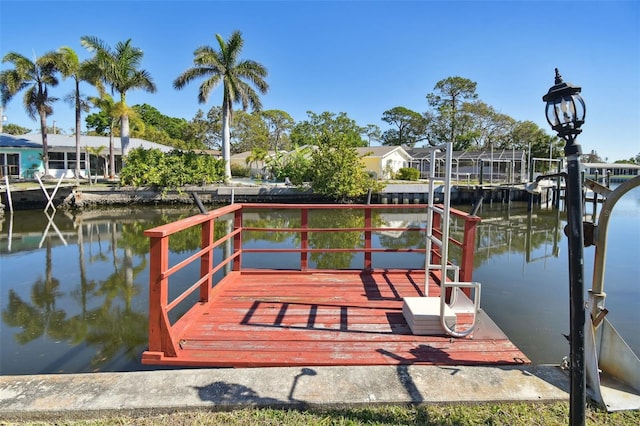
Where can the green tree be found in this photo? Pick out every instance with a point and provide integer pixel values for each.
(224, 66)
(295, 165)
(70, 66)
(528, 136)
(632, 160)
(34, 77)
(373, 133)
(152, 167)
(447, 99)
(411, 127)
(14, 129)
(119, 68)
(248, 131)
(173, 127)
(99, 123)
(279, 123)
(337, 170)
(143, 167)
(487, 128)
(309, 132)
(205, 131)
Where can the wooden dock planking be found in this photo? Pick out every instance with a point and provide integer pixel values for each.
(282, 318)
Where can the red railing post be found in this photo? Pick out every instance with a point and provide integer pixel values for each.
(304, 239)
(206, 261)
(237, 239)
(158, 290)
(367, 239)
(468, 247)
(436, 229)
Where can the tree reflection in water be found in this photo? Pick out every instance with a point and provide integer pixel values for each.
(39, 316)
(106, 318)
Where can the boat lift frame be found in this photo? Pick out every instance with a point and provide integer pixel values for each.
(612, 369)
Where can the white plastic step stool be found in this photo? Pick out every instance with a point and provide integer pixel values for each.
(423, 315)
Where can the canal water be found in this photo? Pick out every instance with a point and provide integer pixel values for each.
(73, 287)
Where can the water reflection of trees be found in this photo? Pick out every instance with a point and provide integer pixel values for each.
(281, 219)
(342, 218)
(106, 318)
(40, 317)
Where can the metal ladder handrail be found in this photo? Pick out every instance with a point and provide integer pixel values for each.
(443, 244)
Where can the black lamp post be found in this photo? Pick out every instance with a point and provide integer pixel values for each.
(565, 113)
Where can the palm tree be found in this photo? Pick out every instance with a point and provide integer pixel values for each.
(35, 76)
(225, 67)
(112, 111)
(96, 152)
(70, 66)
(257, 155)
(118, 68)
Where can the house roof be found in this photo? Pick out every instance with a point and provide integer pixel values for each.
(10, 141)
(495, 155)
(212, 152)
(69, 141)
(245, 154)
(380, 151)
(611, 165)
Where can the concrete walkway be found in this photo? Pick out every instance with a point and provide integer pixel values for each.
(86, 396)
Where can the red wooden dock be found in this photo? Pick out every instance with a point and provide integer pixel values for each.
(305, 317)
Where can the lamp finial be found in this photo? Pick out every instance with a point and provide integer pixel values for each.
(558, 77)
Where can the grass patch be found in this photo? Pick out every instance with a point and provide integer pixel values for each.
(458, 414)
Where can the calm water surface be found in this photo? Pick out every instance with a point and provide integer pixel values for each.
(73, 290)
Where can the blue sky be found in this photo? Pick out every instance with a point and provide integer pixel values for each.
(364, 57)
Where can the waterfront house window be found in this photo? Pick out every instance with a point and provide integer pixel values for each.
(56, 160)
(71, 160)
(9, 164)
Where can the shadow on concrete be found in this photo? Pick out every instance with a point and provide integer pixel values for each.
(232, 394)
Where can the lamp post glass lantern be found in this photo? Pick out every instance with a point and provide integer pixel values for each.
(565, 113)
(565, 109)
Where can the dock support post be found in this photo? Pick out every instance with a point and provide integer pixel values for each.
(304, 239)
(368, 222)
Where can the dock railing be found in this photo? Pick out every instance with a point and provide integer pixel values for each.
(165, 327)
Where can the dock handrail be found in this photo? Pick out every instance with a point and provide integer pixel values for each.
(163, 332)
(441, 239)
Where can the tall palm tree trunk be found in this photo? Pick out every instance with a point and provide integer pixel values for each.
(45, 145)
(226, 137)
(112, 157)
(124, 134)
(78, 124)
